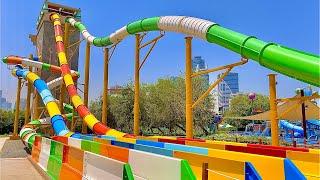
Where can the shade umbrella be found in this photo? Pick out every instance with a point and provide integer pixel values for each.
(289, 110)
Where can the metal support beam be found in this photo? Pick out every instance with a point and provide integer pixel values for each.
(136, 107)
(153, 42)
(29, 89)
(16, 117)
(36, 99)
(188, 82)
(205, 94)
(205, 173)
(189, 75)
(74, 118)
(105, 87)
(86, 84)
(107, 59)
(36, 105)
(138, 66)
(304, 119)
(273, 110)
(199, 73)
(228, 67)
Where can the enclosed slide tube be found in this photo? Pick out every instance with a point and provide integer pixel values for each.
(17, 60)
(14, 60)
(281, 59)
(27, 134)
(96, 126)
(287, 61)
(289, 126)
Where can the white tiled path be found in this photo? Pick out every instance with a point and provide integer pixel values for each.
(16, 168)
(2, 140)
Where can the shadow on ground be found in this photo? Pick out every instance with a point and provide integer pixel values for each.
(13, 149)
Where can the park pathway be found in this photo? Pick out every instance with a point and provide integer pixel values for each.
(14, 164)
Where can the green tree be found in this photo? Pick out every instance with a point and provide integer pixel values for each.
(162, 107)
(6, 121)
(241, 105)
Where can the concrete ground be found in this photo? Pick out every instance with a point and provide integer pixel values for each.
(14, 164)
(2, 141)
(12, 148)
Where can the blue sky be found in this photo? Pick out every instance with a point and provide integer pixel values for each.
(293, 23)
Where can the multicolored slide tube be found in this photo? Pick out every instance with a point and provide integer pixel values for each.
(14, 60)
(96, 126)
(57, 120)
(290, 62)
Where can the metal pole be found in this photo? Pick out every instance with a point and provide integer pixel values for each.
(16, 117)
(86, 84)
(36, 105)
(136, 107)
(36, 100)
(273, 110)
(74, 119)
(205, 174)
(188, 82)
(105, 87)
(303, 111)
(27, 113)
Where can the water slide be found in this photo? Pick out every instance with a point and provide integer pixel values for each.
(298, 130)
(289, 126)
(293, 63)
(58, 120)
(290, 62)
(273, 56)
(27, 133)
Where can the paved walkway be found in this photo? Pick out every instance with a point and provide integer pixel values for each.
(13, 162)
(2, 141)
(18, 169)
(13, 149)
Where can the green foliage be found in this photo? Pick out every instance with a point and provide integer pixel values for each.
(240, 105)
(162, 107)
(6, 121)
(232, 137)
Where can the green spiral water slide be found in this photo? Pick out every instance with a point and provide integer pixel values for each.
(290, 62)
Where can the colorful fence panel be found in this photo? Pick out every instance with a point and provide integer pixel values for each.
(61, 161)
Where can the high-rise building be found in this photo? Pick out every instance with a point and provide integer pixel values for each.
(228, 87)
(23, 103)
(4, 104)
(199, 64)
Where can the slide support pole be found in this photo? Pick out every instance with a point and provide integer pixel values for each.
(29, 89)
(136, 107)
(36, 105)
(273, 110)
(86, 84)
(16, 117)
(303, 111)
(74, 118)
(188, 82)
(105, 87)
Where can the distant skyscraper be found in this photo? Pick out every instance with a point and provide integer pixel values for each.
(23, 103)
(4, 104)
(199, 64)
(226, 89)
